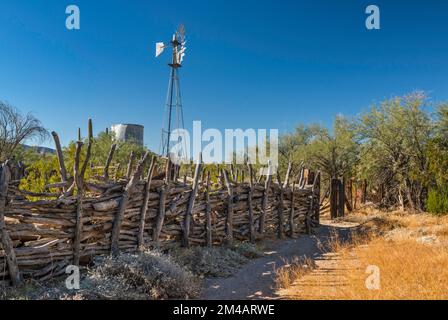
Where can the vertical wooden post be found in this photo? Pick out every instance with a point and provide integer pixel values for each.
(144, 207)
(288, 174)
(310, 177)
(250, 205)
(60, 155)
(341, 198)
(79, 213)
(310, 221)
(203, 177)
(108, 162)
(89, 150)
(302, 177)
(130, 163)
(316, 190)
(229, 220)
(281, 226)
(291, 212)
(161, 215)
(130, 187)
(264, 204)
(208, 218)
(190, 207)
(232, 172)
(10, 256)
(168, 167)
(334, 186)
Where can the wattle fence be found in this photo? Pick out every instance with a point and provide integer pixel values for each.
(39, 239)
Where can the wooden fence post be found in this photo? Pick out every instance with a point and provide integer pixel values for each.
(288, 174)
(161, 215)
(232, 173)
(229, 220)
(168, 169)
(130, 187)
(208, 218)
(130, 163)
(350, 194)
(334, 186)
(108, 162)
(310, 219)
(144, 207)
(60, 155)
(317, 191)
(302, 177)
(250, 205)
(10, 256)
(89, 150)
(264, 204)
(292, 213)
(341, 197)
(190, 207)
(79, 174)
(281, 226)
(79, 188)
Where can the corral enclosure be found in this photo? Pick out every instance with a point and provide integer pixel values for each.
(41, 238)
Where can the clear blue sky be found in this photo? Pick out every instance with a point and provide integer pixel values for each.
(250, 63)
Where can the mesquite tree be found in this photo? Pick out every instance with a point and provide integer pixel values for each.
(15, 128)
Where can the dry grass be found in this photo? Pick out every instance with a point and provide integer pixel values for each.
(408, 270)
(410, 251)
(297, 268)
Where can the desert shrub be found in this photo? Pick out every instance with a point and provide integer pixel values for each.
(141, 276)
(216, 261)
(247, 250)
(437, 202)
(147, 275)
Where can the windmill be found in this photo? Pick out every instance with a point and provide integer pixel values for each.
(173, 118)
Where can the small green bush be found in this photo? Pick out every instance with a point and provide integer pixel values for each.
(437, 202)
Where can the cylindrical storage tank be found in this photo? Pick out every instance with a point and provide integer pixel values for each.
(129, 133)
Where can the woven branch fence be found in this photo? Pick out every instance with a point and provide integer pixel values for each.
(39, 239)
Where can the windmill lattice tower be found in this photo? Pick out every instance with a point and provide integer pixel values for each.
(173, 118)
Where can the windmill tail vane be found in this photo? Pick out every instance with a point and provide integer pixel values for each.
(177, 44)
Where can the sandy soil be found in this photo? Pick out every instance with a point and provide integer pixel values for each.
(256, 280)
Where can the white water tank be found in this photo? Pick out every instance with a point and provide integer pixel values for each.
(129, 133)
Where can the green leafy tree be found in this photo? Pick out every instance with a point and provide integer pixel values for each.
(395, 137)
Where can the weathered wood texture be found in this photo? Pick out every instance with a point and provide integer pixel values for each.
(47, 235)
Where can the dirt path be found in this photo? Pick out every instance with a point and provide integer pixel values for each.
(255, 280)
